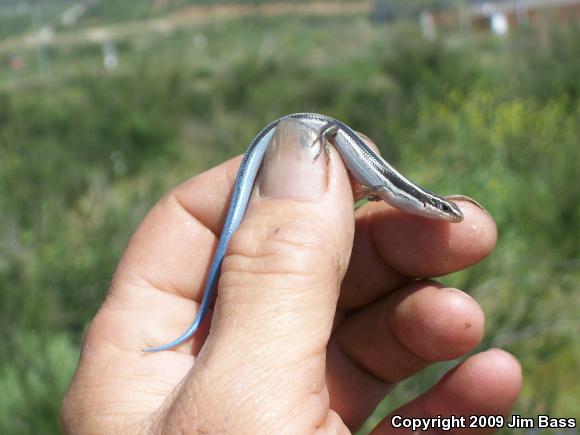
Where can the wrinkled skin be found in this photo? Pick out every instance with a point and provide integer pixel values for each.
(304, 337)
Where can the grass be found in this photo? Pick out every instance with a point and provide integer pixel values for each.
(85, 152)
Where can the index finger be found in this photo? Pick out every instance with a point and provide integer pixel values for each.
(392, 247)
(162, 273)
(172, 247)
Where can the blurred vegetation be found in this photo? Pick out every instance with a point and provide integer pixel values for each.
(19, 16)
(85, 152)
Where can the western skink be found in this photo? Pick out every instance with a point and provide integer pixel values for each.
(365, 165)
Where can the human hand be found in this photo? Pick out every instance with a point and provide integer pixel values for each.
(291, 349)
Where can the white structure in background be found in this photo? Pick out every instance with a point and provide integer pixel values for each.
(98, 35)
(427, 23)
(70, 16)
(501, 17)
(41, 36)
(45, 35)
(105, 38)
(499, 23)
(110, 58)
(161, 26)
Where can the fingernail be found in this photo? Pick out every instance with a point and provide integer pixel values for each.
(291, 168)
(468, 199)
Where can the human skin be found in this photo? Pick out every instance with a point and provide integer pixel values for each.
(320, 313)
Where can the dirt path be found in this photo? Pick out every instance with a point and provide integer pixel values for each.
(190, 16)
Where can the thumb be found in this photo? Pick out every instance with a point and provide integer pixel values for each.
(285, 263)
(279, 287)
